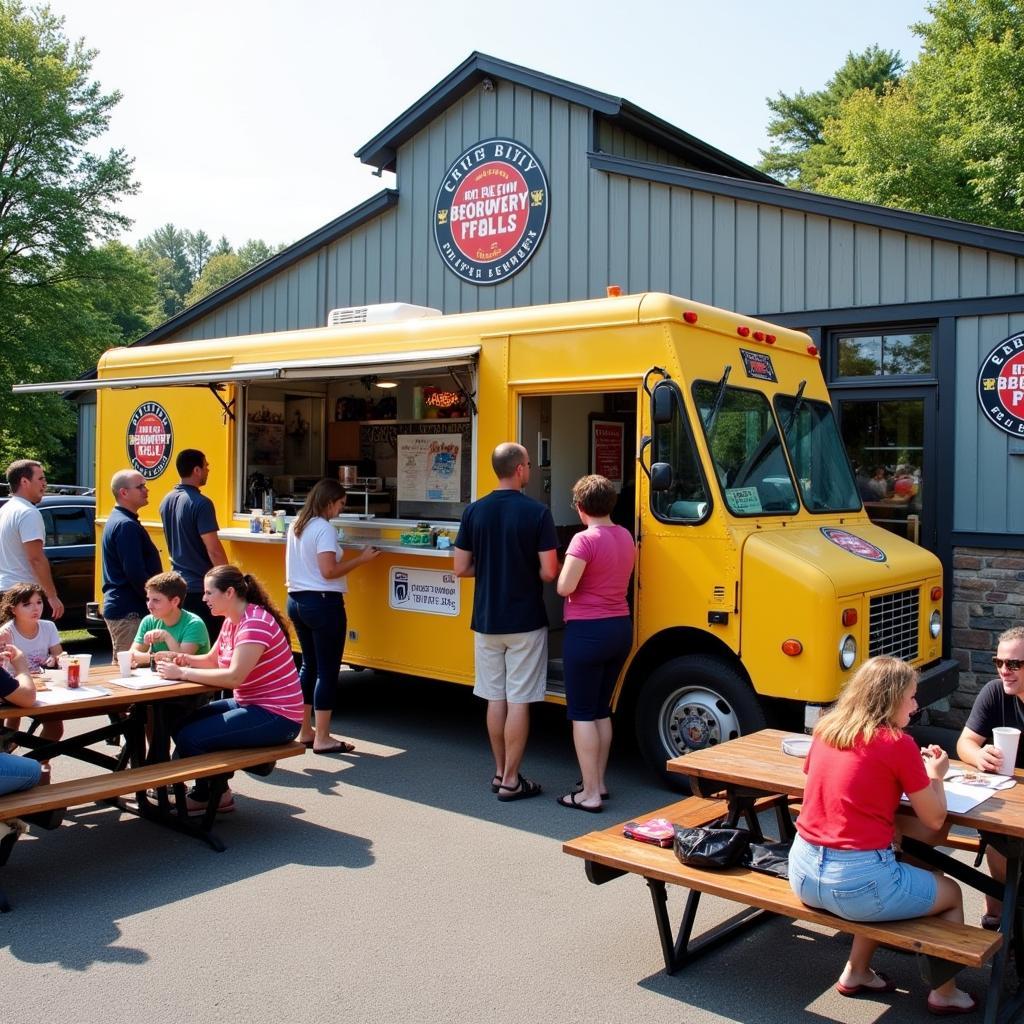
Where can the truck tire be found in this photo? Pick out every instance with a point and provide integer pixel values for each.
(689, 703)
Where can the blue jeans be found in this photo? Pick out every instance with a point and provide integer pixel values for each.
(17, 773)
(860, 885)
(320, 624)
(225, 725)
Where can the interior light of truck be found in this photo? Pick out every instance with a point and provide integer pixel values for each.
(743, 332)
(770, 338)
(792, 647)
(849, 617)
(812, 350)
(613, 290)
(936, 593)
(690, 317)
(847, 652)
(758, 335)
(935, 625)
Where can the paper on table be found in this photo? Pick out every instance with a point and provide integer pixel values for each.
(145, 682)
(65, 696)
(962, 797)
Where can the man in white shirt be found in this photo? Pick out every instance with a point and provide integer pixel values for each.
(23, 534)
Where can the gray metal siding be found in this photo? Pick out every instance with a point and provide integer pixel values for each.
(988, 496)
(614, 140)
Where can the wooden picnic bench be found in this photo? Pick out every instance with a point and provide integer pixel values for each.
(45, 805)
(943, 947)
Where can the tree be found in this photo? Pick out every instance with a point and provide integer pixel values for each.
(947, 137)
(166, 249)
(799, 120)
(58, 198)
(224, 267)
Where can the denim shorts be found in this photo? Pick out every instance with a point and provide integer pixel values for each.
(860, 885)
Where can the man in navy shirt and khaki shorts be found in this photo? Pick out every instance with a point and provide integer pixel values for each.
(507, 542)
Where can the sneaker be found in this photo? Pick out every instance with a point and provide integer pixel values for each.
(197, 808)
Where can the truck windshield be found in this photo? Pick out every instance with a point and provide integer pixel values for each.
(817, 454)
(746, 451)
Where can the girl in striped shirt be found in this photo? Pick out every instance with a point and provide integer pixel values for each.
(253, 658)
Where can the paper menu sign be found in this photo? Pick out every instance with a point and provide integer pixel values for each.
(46, 698)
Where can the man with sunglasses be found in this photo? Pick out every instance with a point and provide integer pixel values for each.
(1000, 703)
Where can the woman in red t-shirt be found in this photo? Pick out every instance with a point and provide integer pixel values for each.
(252, 657)
(842, 860)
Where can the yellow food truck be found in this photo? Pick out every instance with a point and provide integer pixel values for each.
(760, 584)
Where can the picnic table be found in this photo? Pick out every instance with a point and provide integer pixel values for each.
(737, 779)
(141, 768)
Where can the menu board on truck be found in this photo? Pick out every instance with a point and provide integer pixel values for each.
(429, 467)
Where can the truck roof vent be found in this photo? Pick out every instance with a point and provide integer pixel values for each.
(387, 312)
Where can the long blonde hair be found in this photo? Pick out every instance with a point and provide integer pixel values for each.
(868, 703)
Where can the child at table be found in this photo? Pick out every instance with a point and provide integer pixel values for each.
(842, 860)
(168, 627)
(23, 627)
(16, 687)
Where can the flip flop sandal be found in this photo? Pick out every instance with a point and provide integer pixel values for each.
(569, 800)
(938, 1010)
(867, 990)
(578, 788)
(341, 747)
(495, 783)
(522, 790)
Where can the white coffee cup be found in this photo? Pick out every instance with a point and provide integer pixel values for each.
(1005, 739)
(124, 663)
(83, 661)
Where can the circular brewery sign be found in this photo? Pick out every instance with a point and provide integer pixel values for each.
(150, 439)
(491, 211)
(1001, 385)
(855, 545)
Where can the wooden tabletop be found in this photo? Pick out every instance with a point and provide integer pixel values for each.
(758, 762)
(119, 698)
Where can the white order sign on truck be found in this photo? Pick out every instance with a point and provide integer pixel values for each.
(423, 590)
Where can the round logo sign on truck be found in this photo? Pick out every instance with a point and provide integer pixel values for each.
(150, 439)
(1001, 385)
(491, 211)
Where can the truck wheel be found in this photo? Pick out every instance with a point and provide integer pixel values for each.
(689, 703)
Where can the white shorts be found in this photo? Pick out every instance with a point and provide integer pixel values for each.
(511, 666)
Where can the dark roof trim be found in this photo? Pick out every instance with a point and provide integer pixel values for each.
(941, 228)
(372, 207)
(907, 312)
(381, 151)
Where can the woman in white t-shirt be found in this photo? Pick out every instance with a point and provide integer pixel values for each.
(316, 583)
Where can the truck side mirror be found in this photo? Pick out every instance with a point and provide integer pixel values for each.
(662, 403)
(661, 476)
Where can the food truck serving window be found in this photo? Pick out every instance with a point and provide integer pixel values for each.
(745, 450)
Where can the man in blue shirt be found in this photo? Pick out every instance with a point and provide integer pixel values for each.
(129, 558)
(190, 526)
(507, 541)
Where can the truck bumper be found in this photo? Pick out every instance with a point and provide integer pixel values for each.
(937, 680)
(94, 617)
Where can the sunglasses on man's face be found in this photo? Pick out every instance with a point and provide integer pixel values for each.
(1012, 664)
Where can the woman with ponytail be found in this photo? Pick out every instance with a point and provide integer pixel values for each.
(253, 658)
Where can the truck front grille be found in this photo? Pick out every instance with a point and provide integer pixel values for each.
(894, 625)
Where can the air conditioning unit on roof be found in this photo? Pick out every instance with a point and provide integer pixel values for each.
(385, 313)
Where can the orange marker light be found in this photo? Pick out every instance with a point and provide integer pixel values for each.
(743, 332)
(849, 616)
(792, 647)
(690, 317)
(936, 593)
(613, 290)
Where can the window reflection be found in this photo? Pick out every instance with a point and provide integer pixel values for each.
(885, 355)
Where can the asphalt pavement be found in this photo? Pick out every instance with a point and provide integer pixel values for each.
(391, 885)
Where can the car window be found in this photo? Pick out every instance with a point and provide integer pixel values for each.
(51, 529)
(72, 524)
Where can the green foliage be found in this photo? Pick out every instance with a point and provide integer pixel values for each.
(64, 296)
(223, 267)
(799, 120)
(946, 138)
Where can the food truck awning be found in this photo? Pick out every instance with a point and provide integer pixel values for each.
(298, 369)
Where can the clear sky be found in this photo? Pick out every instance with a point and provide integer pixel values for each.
(243, 115)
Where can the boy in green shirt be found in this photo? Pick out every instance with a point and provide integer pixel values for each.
(168, 626)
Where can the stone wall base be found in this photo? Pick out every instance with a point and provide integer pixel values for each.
(988, 597)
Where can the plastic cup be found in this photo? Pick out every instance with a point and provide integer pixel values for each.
(83, 661)
(1005, 739)
(124, 663)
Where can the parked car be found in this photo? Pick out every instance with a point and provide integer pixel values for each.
(69, 514)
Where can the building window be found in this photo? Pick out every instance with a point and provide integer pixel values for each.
(905, 354)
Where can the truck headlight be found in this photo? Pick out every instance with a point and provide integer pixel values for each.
(847, 652)
(935, 625)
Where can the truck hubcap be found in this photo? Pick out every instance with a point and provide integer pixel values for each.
(694, 718)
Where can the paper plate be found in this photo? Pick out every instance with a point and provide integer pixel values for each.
(798, 746)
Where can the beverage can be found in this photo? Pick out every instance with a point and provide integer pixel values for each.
(74, 673)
